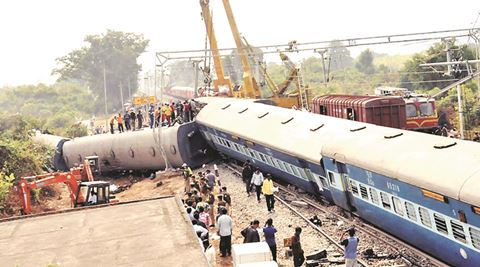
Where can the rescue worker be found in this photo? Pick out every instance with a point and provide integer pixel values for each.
(126, 118)
(140, 119)
(247, 174)
(133, 117)
(267, 190)
(120, 123)
(297, 251)
(151, 113)
(112, 122)
(350, 245)
(187, 172)
(257, 181)
(167, 114)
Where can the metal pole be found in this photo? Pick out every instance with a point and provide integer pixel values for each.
(460, 111)
(195, 90)
(129, 90)
(155, 83)
(105, 94)
(121, 97)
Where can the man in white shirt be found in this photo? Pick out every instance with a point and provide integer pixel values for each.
(198, 229)
(257, 180)
(224, 224)
(92, 200)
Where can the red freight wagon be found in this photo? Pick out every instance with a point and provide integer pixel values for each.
(387, 111)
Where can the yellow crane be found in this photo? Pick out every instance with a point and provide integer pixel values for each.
(221, 80)
(250, 88)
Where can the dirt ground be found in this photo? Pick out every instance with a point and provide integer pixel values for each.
(57, 196)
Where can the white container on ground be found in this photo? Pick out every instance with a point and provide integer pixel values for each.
(257, 252)
(260, 264)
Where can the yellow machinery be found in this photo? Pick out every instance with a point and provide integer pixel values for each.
(250, 87)
(221, 80)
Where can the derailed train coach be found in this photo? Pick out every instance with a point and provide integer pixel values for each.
(138, 150)
(420, 188)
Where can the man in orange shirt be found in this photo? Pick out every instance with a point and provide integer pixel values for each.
(120, 122)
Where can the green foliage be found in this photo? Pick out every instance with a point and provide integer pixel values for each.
(76, 130)
(43, 107)
(365, 62)
(6, 184)
(18, 153)
(114, 54)
(420, 78)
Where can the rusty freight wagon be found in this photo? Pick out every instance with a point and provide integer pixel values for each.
(387, 111)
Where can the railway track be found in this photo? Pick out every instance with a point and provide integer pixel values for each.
(387, 249)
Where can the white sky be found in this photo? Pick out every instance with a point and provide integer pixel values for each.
(34, 33)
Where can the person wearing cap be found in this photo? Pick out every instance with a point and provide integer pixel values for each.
(350, 245)
(267, 190)
(187, 172)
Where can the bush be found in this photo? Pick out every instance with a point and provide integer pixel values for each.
(6, 184)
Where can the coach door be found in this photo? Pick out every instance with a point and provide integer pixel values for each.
(338, 180)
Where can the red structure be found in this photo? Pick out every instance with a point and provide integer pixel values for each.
(386, 111)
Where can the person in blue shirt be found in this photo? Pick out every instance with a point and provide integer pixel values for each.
(269, 233)
(350, 245)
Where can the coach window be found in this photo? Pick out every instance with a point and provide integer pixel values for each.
(323, 110)
(269, 160)
(410, 209)
(363, 192)
(426, 109)
(475, 237)
(440, 224)
(351, 115)
(411, 110)
(374, 196)
(288, 168)
(425, 217)
(385, 200)
(397, 206)
(458, 231)
(262, 157)
(295, 171)
(331, 178)
(354, 187)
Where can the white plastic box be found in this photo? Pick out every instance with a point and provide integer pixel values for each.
(257, 252)
(260, 264)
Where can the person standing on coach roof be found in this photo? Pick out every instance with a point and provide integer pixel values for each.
(257, 180)
(267, 190)
(133, 117)
(224, 224)
(350, 245)
(247, 174)
(120, 123)
(140, 119)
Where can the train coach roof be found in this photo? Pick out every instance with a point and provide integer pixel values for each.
(291, 131)
(443, 165)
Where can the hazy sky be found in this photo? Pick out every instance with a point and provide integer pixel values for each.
(35, 32)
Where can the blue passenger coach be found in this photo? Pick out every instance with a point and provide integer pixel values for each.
(418, 187)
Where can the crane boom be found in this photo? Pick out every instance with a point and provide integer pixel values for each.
(250, 87)
(217, 62)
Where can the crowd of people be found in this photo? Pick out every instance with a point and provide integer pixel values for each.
(209, 207)
(166, 114)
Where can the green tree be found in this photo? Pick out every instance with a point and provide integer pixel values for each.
(365, 62)
(421, 78)
(114, 54)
